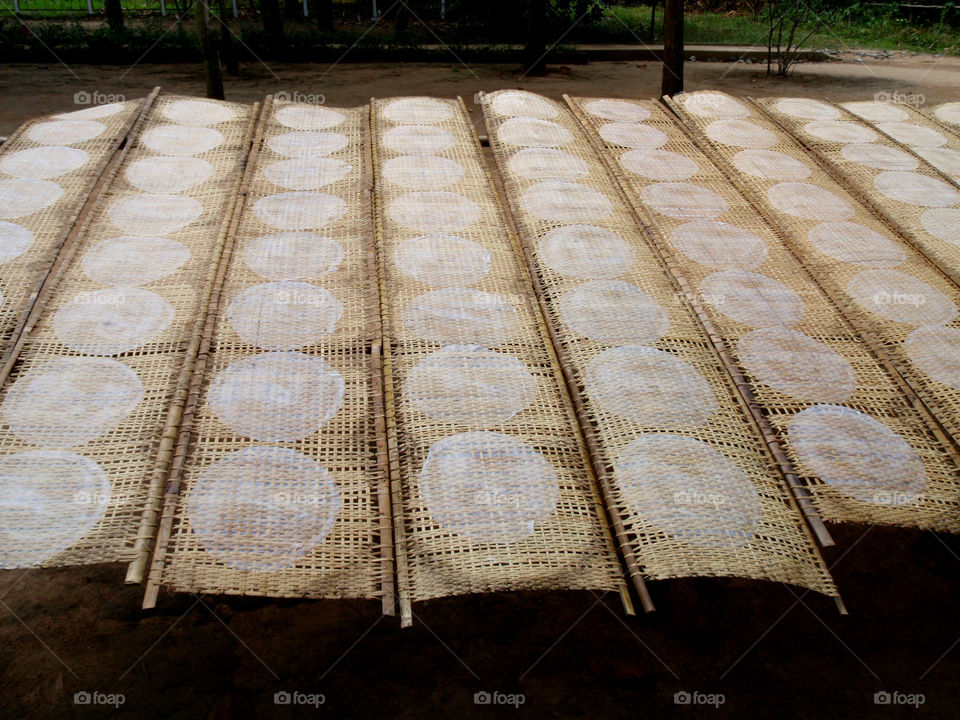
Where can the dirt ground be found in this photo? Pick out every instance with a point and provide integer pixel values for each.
(32, 90)
(754, 645)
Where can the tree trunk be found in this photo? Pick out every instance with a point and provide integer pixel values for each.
(292, 9)
(208, 48)
(273, 22)
(402, 18)
(325, 14)
(671, 81)
(227, 49)
(534, 54)
(114, 14)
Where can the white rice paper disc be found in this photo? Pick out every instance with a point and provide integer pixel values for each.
(841, 131)
(684, 200)
(565, 202)
(65, 132)
(879, 157)
(306, 173)
(797, 365)
(66, 402)
(613, 312)
(154, 213)
(948, 112)
(418, 139)
(470, 385)
(741, 133)
(649, 387)
(308, 117)
(181, 140)
(460, 316)
(307, 145)
(857, 244)
(713, 105)
(97, 112)
(659, 164)
(283, 315)
(875, 111)
(912, 134)
(49, 499)
(916, 189)
(198, 112)
(689, 490)
(488, 487)
(300, 210)
(517, 103)
(21, 197)
(132, 260)
(719, 244)
(752, 299)
(770, 165)
(935, 349)
(276, 396)
(945, 160)
(443, 260)
(112, 321)
(617, 110)
(533, 132)
(418, 110)
(942, 223)
(807, 109)
(809, 202)
(422, 172)
(547, 164)
(15, 240)
(857, 455)
(904, 298)
(585, 251)
(170, 174)
(292, 255)
(633, 135)
(43, 162)
(434, 211)
(261, 509)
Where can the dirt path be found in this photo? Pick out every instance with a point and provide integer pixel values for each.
(32, 90)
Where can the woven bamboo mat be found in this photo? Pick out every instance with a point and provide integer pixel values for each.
(48, 168)
(86, 406)
(809, 370)
(896, 298)
(689, 476)
(880, 163)
(492, 488)
(281, 485)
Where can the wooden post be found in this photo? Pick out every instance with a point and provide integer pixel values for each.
(273, 23)
(653, 20)
(671, 81)
(208, 49)
(114, 14)
(228, 52)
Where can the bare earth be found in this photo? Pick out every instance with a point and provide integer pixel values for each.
(772, 651)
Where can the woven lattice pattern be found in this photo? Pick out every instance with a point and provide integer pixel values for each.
(879, 160)
(280, 487)
(85, 408)
(47, 169)
(946, 115)
(812, 375)
(689, 474)
(493, 491)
